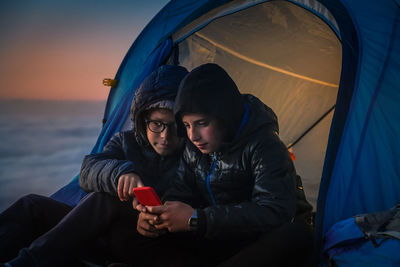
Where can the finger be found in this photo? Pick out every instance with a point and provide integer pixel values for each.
(130, 190)
(149, 217)
(148, 227)
(155, 221)
(135, 204)
(155, 209)
(126, 189)
(139, 206)
(120, 188)
(163, 217)
(163, 225)
(139, 183)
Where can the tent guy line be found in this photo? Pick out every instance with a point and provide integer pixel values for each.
(264, 65)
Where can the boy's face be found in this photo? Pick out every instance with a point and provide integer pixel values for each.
(205, 132)
(164, 140)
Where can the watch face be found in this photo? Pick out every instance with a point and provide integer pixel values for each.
(193, 223)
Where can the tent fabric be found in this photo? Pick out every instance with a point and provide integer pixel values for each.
(350, 55)
(160, 28)
(270, 52)
(363, 151)
(321, 11)
(121, 113)
(360, 172)
(365, 177)
(236, 6)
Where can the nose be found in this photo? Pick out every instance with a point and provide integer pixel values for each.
(193, 134)
(166, 133)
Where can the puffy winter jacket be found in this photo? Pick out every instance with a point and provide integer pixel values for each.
(122, 154)
(130, 151)
(249, 185)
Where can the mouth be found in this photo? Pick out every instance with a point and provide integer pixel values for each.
(201, 146)
(163, 145)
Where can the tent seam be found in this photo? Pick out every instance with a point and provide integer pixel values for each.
(374, 97)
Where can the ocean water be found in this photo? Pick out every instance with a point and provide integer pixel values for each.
(42, 144)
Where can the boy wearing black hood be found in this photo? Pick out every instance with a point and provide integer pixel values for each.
(50, 233)
(236, 180)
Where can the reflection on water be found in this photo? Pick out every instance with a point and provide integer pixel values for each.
(43, 143)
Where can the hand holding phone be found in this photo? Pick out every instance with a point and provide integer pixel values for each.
(147, 196)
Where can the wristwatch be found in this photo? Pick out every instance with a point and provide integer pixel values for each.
(193, 221)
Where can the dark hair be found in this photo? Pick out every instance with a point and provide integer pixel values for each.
(209, 90)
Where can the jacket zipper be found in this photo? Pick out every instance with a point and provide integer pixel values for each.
(214, 163)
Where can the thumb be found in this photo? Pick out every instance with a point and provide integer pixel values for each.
(138, 207)
(135, 203)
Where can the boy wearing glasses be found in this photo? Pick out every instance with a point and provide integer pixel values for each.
(40, 231)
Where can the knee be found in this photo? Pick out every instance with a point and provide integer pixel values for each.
(28, 204)
(97, 196)
(99, 199)
(32, 200)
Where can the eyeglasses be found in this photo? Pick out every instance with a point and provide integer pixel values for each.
(159, 126)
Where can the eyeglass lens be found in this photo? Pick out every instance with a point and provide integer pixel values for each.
(158, 126)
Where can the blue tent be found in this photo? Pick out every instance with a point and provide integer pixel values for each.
(330, 69)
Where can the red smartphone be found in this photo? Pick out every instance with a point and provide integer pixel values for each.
(147, 196)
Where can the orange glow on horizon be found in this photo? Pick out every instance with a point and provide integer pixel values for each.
(59, 72)
(62, 50)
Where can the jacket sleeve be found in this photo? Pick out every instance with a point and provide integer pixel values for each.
(273, 198)
(100, 172)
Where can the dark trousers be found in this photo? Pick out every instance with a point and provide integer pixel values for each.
(39, 231)
(102, 228)
(182, 249)
(49, 233)
(26, 220)
(288, 245)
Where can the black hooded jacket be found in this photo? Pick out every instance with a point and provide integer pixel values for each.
(130, 151)
(249, 185)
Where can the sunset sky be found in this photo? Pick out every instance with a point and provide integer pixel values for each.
(63, 49)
